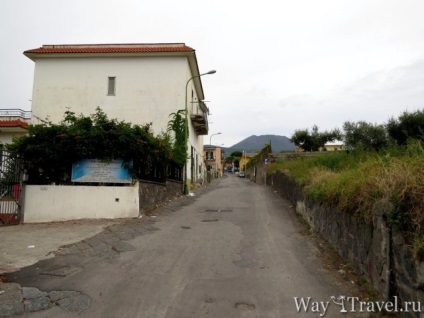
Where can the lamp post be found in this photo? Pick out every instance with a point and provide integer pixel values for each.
(186, 128)
(210, 139)
(216, 150)
(245, 163)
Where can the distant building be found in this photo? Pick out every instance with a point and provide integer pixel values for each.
(214, 159)
(245, 158)
(333, 146)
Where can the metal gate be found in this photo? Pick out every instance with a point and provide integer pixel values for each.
(10, 188)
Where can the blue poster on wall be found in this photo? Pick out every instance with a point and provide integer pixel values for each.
(93, 170)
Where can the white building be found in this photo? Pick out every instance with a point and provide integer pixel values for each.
(137, 83)
(13, 123)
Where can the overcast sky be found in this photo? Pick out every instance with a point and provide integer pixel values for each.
(281, 65)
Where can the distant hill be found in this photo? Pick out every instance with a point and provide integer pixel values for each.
(255, 143)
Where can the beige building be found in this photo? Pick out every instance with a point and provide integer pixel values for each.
(333, 146)
(214, 159)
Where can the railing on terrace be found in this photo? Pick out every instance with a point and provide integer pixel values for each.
(15, 112)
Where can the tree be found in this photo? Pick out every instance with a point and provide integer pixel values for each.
(364, 135)
(229, 159)
(315, 140)
(236, 158)
(407, 126)
(236, 154)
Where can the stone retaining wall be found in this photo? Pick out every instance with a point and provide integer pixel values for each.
(371, 248)
(153, 194)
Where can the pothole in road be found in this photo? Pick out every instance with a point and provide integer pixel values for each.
(210, 220)
(63, 271)
(245, 306)
(243, 263)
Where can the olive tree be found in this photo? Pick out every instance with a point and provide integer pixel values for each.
(314, 140)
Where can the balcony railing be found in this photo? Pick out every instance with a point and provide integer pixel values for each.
(15, 112)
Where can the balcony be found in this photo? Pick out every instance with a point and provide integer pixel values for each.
(199, 117)
(14, 120)
(200, 124)
(14, 114)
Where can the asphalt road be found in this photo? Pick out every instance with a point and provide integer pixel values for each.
(235, 249)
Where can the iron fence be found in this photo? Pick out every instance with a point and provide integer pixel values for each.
(10, 188)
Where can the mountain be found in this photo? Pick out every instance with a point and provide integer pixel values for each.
(255, 143)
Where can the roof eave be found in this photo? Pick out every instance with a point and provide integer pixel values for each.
(33, 56)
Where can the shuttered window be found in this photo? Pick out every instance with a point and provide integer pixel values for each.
(111, 85)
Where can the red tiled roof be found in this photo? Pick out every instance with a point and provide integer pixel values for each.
(112, 48)
(13, 123)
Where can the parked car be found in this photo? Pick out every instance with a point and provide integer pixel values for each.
(241, 174)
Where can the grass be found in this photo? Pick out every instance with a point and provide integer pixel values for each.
(358, 182)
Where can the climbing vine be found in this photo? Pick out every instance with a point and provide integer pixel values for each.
(178, 126)
(50, 149)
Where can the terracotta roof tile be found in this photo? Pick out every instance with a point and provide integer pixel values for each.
(112, 48)
(13, 123)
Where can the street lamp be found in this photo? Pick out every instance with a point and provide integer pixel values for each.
(186, 128)
(216, 150)
(210, 139)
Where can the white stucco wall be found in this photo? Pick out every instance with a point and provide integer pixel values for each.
(148, 90)
(7, 137)
(49, 203)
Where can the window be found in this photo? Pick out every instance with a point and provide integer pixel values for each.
(111, 85)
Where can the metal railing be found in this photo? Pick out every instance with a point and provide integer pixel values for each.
(15, 112)
(10, 188)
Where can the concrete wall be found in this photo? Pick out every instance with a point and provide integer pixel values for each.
(390, 268)
(50, 203)
(147, 89)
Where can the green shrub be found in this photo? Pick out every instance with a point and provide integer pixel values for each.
(49, 150)
(356, 182)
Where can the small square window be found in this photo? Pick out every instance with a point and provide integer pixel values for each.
(111, 85)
